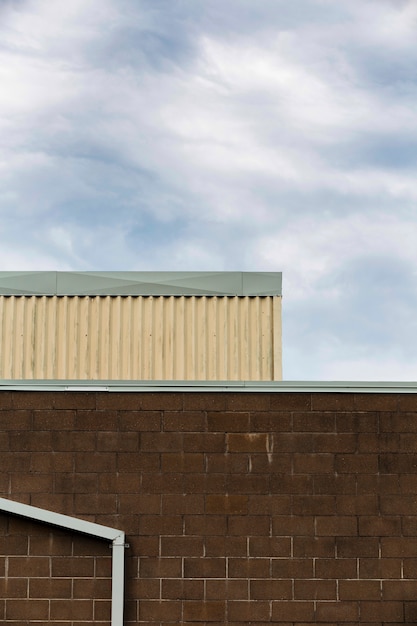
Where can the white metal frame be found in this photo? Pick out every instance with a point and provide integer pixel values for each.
(117, 537)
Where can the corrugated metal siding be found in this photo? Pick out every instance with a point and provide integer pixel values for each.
(140, 338)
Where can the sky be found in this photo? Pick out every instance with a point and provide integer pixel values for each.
(244, 135)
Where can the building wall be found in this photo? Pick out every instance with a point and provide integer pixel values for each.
(141, 337)
(239, 508)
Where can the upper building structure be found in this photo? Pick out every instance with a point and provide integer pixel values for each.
(207, 326)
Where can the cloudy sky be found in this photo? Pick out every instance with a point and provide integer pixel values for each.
(257, 135)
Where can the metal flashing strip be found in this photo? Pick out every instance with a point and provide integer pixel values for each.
(140, 283)
(191, 386)
(117, 537)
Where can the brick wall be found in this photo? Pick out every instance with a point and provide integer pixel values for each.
(238, 507)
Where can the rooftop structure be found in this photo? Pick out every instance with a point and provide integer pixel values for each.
(140, 326)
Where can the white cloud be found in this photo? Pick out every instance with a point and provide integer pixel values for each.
(251, 136)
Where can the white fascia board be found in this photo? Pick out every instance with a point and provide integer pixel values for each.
(62, 521)
(58, 520)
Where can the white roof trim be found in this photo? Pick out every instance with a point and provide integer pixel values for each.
(117, 537)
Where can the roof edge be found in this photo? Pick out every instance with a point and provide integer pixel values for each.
(140, 283)
(151, 386)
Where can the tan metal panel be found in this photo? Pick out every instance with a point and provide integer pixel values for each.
(140, 337)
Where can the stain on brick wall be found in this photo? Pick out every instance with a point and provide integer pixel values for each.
(238, 507)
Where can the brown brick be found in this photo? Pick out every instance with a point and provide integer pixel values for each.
(313, 463)
(182, 546)
(161, 401)
(182, 589)
(268, 504)
(225, 546)
(332, 484)
(269, 546)
(74, 441)
(315, 589)
(270, 464)
(314, 422)
(398, 590)
(102, 610)
(290, 401)
(138, 461)
(117, 441)
(227, 463)
(382, 611)
(160, 611)
(208, 611)
(357, 547)
(15, 420)
(228, 504)
(140, 421)
(53, 420)
(249, 568)
(160, 524)
(50, 588)
(332, 401)
(394, 505)
(21, 441)
(249, 525)
(407, 402)
(292, 484)
(228, 421)
(227, 589)
(205, 401)
(376, 401)
(204, 568)
(192, 504)
(119, 483)
(118, 401)
(31, 566)
(284, 525)
(357, 505)
(91, 587)
(410, 612)
(409, 526)
(357, 463)
(33, 400)
(356, 422)
(204, 442)
(178, 421)
(160, 568)
(314, 505)
(42, 462)
(247, 484)
(292, 568)
(283, 610)
(12, 545)
(379, 526)
(5, 400)
(90, 503)
(314, 547)
(399, 547)
(53, 544)
(31, 483)
(329, 526)
(271, 421)
(340, 442)
(270, 589)
(337, 611)
(27, 610)
(205, 525)
(359, 589)
(292, 442)
(180, 462)
(248, 611)
(381, 568)
(248, 442)
(336, 568)
(95, 462)
(72, 566)
(13, 587)
(395, 422)
(94, 420)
